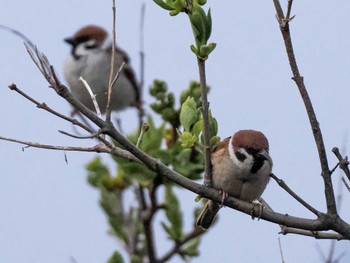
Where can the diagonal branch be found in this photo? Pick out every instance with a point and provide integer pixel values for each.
(177, 246)
(294, 195)
(316, 130)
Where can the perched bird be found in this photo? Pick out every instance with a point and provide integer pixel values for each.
(90, 58)
(241, 166)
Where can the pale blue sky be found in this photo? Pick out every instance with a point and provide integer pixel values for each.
(48, 212)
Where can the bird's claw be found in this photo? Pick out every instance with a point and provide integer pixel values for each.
(223, 197)
(261, 208)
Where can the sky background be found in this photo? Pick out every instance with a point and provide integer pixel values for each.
(49, 213)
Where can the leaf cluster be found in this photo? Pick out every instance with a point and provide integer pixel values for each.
(201, 23)
(176, 142)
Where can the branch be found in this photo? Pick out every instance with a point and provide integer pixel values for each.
(280, 248)
(196, 232)
(147, 211)
(111, 148)
(92, 96)
(111, 72)
(316, 234)
(323, 222)
(206, 124)
(316, 130)
(44, 106)
(343, 162)
(141, 110)
(294, 195)
(99, 148)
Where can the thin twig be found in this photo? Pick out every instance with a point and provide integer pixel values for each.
(295, 196)
(19, 34)
(315, 234)
(141, 110)
(111, 72)
(345, 183)
(316, 130)
(206, 123)
(99, 148)
(281, 250)
(196, 232)
(44, 106)
(142, 48)
(146, 211)
(144, 129)
(80, 137)
(343, 162)
(55, 147)
(92, 96)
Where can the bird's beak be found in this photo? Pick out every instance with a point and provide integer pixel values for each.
(70, 41)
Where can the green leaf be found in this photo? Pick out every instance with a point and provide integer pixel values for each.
(205, 50)
(159, 87)
(136, 259)
(201, 2)
(213, 125)
(169, 230)
(194, 50)
(198, 23)
(190, 248)
(198, 127)
(116, 258)
(163, 5)
(188, 140)
(208, 26)
(112, 203)
(97, 172)
(173, 212)
(139, 172)
(188, 114)
(213, 141)
(198, 198)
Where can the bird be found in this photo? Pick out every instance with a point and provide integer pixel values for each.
(241, 167)
(90, 58)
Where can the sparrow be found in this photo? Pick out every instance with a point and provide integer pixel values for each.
(90, 58)
(241, 167)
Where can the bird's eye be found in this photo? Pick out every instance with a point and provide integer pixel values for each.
(252, 151)
(240, 156)
(90, 44)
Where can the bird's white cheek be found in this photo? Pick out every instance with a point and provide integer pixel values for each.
(244, 166)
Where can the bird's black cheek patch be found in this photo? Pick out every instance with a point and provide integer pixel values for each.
(240, 156)
(258, 163)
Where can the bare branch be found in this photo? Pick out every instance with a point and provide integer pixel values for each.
(281, 251)
(44, 106)
(316, 130)
(315, 234)
(345, 183)
(196, 232)
(111, 72)
(141, 110)
(80, 137)
(99, 148)
(343, 162)
(92, 96)
(294, 195)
